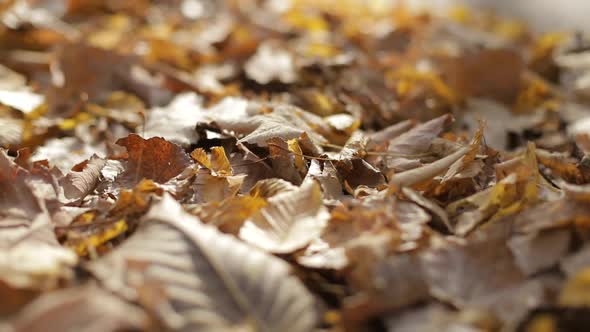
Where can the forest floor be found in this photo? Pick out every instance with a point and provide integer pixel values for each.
(201, 165)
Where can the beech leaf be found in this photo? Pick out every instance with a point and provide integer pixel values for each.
(289, 221)
(205, 280)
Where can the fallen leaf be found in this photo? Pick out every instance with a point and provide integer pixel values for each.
(155, 159)
(179, 256)
(289, 221)
(82, 181)
(85, 308)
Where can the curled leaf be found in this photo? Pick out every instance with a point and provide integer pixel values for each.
(80, 182)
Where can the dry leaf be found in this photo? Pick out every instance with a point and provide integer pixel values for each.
(82, 181)
(84, 309)
(289, 221)
(155, 159)
(196, 278)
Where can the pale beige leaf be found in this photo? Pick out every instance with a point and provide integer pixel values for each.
(77, 184)
(196, 279)
(285, 121)
(31, 257)
(417, 175)
(290, 221)
(418, 139)
(82, 309)
(176, 121)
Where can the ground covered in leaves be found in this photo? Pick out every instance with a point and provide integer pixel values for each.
(290, 166)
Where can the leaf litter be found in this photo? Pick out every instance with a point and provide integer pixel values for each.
(290, 166)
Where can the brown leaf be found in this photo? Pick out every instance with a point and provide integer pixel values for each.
(88, 73)
(417, 140)
(493, 73)
(463, 275)
(155, 159)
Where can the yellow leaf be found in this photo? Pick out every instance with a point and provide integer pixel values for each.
(542, 323)
(219, 162)
(576, 292)
(408, 78)
(297, 155)
(73, 122)
(460, 14)
(82, 246)
(229, 214)
(533, 96)
(546, 44)
(200, 156)
(321, 50)
(311, 23)
(136, 200)
(510, 29)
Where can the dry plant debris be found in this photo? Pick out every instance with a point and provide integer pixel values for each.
(199, 165)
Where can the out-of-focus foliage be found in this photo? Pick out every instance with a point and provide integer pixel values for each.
(265, 165)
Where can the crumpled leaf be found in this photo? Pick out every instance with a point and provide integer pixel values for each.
(82, 180)
(30, 257)
(155, 159)
(290, 221)
(218, 163)
(320, 255)
(17, 198)
(197, 278)
(215, 182)
(230, 214)
(86, 241)
(518, 188)
(327, 176)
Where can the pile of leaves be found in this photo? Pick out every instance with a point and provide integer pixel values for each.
(194, 165)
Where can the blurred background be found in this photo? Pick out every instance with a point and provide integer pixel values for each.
(542, 15)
